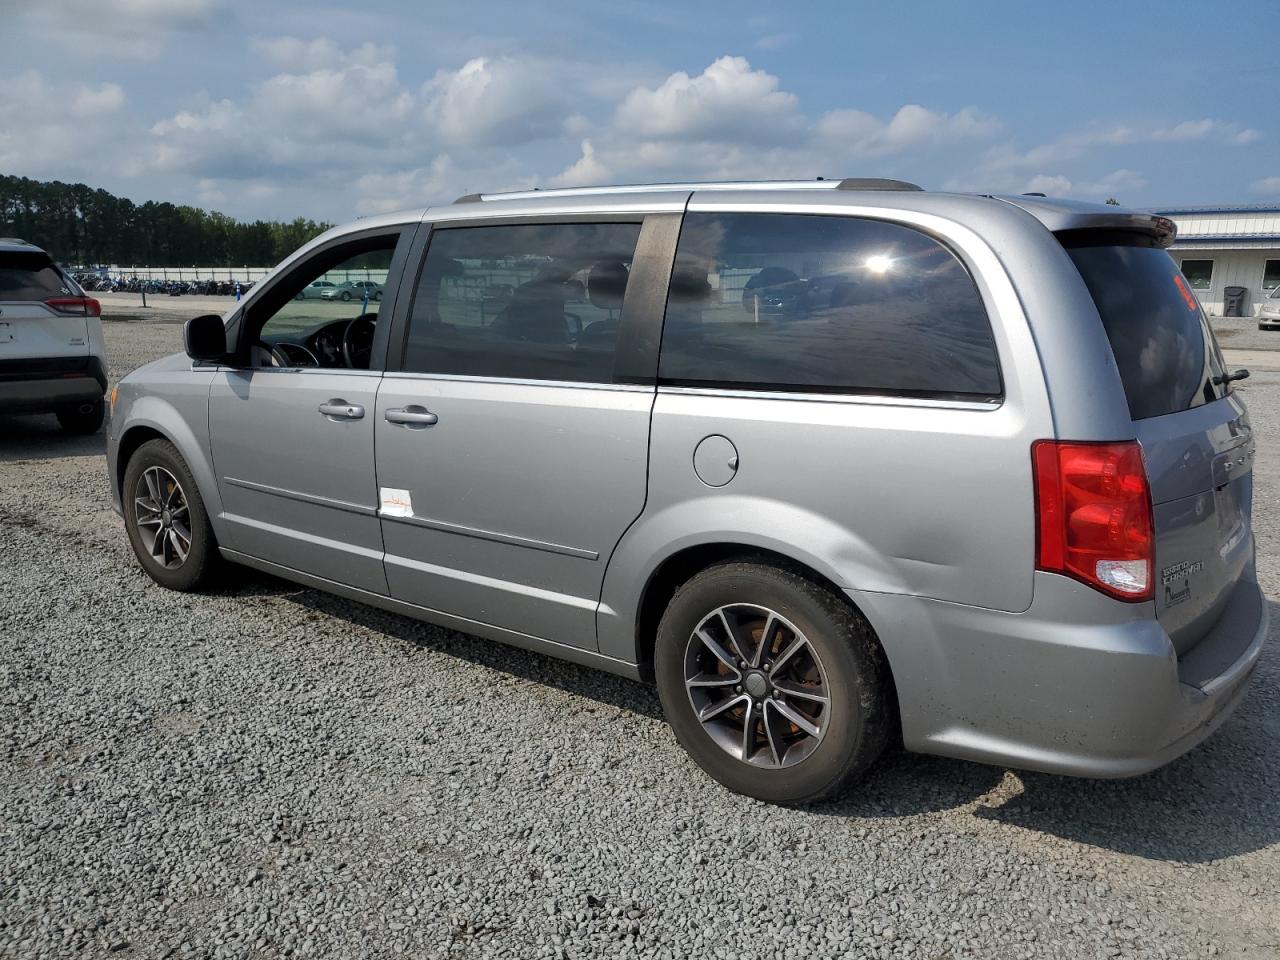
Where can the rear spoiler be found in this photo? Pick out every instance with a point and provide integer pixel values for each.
(1062, 216)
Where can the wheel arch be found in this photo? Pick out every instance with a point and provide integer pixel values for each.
(678, 567)
(152, 419)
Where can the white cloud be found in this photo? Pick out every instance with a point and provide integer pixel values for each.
(587, 170)
(127, 29)
(345, 108)
(88, 100)
(1053, 186)
(913, 125)
(80, 141)
(1267, 185)
(727, 100)
(1074, 145)
(294, 55)
(1113, 183)
(773, 41)
(384, 192)
(494, 102)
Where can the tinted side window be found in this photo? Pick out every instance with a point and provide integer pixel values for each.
(1162, 345)
(814, 303)
(31, 276)
(535, 302)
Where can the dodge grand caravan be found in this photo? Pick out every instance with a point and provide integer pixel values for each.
(832, 462)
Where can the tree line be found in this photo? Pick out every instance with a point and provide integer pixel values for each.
(84, 227)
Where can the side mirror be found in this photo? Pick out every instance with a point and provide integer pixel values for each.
(205, 338)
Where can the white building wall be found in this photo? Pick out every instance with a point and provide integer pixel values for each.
(1231, 268)
(1239, 242)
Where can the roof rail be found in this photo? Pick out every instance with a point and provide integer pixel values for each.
(818, 184)
(874, 183)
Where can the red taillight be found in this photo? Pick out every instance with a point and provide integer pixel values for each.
(75, 306)
(1093, 515)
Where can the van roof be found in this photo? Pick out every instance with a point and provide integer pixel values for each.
(1055, 213)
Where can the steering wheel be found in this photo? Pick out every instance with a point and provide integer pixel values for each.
(278, 357)
(357, 341)
(297, 354)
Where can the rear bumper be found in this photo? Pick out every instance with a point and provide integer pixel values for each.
(1060, 689)
(42, 390)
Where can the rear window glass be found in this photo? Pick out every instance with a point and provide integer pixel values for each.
(30, 276)
(1162, 344)
(824, 304)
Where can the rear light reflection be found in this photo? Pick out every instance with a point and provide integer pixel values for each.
(1093, 515)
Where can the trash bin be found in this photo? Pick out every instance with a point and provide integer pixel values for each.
(1233, 301)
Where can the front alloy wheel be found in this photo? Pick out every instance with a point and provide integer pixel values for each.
(163, 517)
(166, 520)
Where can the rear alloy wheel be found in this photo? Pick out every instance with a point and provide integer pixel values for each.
(772, 682)
(166, 519)
(84, 418)
(757, 685)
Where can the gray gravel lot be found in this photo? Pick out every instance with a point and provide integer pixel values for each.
(270, 771)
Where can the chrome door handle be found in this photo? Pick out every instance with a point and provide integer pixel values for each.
(411, 416)
(341, 410)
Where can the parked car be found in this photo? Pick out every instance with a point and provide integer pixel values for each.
(52, 355)
(315, 290)
(353, 290)
(1269, 312)
(984, 489)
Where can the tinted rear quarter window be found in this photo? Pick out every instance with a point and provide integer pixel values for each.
(30, 276)
(824, 304)
(1161, 341)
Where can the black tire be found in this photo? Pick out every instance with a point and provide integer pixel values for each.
(203, 563)
(859, 720)
(75, 420)
(346, 295)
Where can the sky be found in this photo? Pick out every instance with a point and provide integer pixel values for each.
(277, 110)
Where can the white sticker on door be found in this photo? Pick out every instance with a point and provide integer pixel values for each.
(396, 503)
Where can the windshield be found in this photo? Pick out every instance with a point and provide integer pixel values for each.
(31, 276)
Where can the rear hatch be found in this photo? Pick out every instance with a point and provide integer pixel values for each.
(43, 317)
(1193, 429)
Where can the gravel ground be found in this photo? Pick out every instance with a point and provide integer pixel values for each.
(270, 771)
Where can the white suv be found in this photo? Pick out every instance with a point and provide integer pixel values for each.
(52, 355)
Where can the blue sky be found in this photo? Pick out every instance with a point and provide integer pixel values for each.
(279, 110)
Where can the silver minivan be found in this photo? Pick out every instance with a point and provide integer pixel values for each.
(834, 463)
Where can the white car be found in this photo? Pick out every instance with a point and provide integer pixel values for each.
(353, 290)
(314, 291)
(52, 355)
(1269, 314)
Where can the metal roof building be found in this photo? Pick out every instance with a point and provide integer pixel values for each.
(1228, 246)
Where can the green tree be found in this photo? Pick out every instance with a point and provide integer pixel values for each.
(83, 226)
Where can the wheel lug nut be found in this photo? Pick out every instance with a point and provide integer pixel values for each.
(737, 689)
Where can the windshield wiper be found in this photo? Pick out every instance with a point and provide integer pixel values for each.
(1224, 378)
